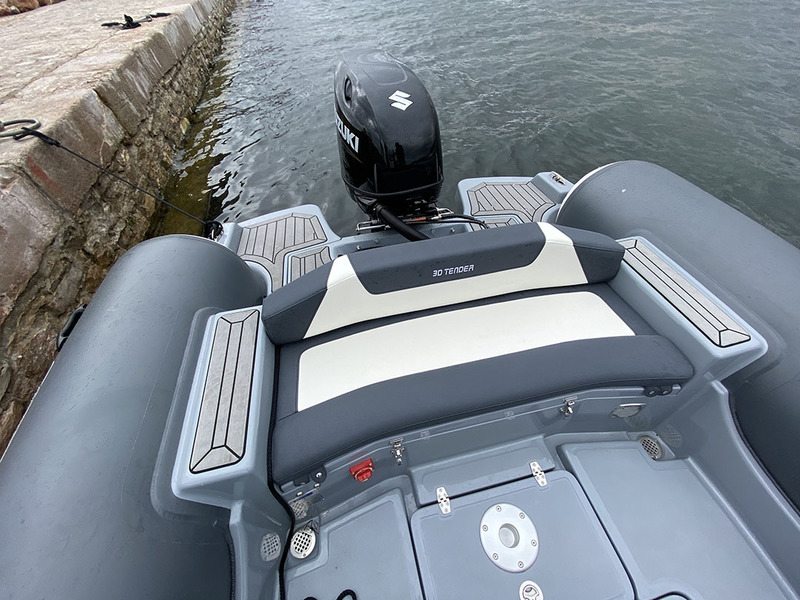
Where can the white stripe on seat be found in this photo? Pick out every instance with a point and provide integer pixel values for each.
(451, 338)
(347, 301)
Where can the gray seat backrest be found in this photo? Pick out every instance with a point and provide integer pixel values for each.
(405, 278)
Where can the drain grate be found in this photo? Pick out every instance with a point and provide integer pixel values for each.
(651, 446)
(671, 436)
(300, 508)
(303, 542)
(270, 547)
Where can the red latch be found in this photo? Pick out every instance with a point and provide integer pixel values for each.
(363, 470)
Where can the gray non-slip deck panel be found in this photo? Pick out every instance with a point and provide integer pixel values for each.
(494, 199)
(701, 311)
(267, 244)
(669, 529)
(222, 424)
(303, 262)
(497, 222)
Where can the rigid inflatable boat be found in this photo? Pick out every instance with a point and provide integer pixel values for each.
(563, 391)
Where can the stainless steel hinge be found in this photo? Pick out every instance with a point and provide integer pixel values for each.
(568, 409)
(397, 449)
(538, 474)
(443, 499)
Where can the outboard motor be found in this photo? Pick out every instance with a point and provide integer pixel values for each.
(389, 143)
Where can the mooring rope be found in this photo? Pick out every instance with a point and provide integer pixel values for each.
(29, 127)
(131, 23)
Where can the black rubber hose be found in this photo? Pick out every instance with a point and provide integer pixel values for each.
(398, 225)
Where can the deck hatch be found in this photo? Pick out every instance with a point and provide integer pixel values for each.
(221, 430)
(714, 323)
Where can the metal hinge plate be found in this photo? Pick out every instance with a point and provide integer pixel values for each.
(568, 408)
(443, 499)
(538, 474)
(396, 448)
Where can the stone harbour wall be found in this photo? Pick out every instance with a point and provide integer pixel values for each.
(118, 97)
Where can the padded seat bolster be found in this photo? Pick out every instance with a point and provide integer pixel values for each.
(306, 439)
(410, 277)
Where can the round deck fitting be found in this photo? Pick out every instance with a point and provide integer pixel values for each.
(270, 546)
(651, 446)
(509, 537)
(529, 590)
(303, 542)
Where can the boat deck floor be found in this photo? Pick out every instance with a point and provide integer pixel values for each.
(612, 522)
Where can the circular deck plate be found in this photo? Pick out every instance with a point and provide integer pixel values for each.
(509, 537)
(270, 546)
(303, 542)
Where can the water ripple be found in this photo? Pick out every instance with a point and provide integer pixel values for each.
(709, 90)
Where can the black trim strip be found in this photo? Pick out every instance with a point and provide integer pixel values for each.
(271, 480)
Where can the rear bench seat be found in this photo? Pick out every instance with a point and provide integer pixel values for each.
(395, 338)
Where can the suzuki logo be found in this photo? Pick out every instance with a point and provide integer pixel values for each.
(401, 100)
(347, 135)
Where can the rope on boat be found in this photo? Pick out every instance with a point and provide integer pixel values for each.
(29, 127)
(341, 596)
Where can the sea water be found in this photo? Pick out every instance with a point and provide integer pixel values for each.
(706, 89)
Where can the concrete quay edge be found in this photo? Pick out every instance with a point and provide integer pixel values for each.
(92, 95)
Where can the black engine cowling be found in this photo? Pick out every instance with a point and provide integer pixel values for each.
(389, 143)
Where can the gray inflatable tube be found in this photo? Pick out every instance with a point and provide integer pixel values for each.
(753, 270)
(84, 485)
